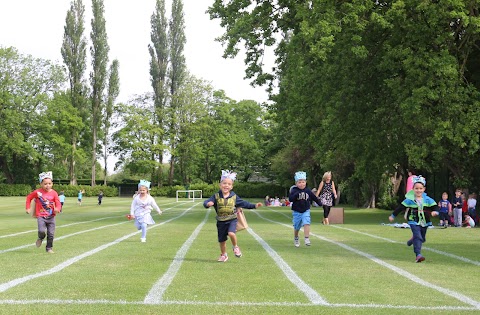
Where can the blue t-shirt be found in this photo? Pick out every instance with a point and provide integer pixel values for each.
(443, 206)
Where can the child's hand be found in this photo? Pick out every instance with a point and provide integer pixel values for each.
(258, 205)
(391, 218)
(160, 212)
(434, 213)
(209, 204)
(27, 211)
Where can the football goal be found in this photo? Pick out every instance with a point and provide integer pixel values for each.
(189, 195)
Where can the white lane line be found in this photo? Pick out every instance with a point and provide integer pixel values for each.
(68, 235)
(155, 295)
(59, 226)
(61, 237)
(237, 303)
(461, 258)
(13, 283)
(461, 297)
(76, 223)
(464, 259)
(310, 293)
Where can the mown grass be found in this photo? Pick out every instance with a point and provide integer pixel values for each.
(360, 267)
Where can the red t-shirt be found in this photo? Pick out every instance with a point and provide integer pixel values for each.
(45, 202)
(465, 207)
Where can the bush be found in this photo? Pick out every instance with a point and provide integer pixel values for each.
(15, 189)
(72, 190)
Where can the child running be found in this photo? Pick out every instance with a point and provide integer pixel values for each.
(225, 202)
(418, 209)
(301, 198)
(142, 206)
(47, 205)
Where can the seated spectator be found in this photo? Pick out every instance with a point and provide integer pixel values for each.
(468, 223)
(267, 200)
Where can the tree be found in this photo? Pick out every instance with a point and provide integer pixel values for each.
(26, 84)
(135, 139)
(74, 56)
(113, 91)
(159, 53)
(98, 76)
(176, 75)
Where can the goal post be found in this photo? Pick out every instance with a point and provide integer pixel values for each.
(189, 194)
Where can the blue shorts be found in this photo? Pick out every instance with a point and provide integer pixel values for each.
(300, 219)
(224, 227)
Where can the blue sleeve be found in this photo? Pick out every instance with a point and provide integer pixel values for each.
(244, 204)
(212, 198)
(293, 195)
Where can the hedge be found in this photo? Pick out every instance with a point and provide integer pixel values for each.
(69, 191)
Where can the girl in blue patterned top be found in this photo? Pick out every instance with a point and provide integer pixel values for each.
(418, 208)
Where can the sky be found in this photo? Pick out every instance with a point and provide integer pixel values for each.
(36, 27)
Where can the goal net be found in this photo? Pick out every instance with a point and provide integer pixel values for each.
(189, 195)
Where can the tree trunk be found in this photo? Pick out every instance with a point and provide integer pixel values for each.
(71, 168)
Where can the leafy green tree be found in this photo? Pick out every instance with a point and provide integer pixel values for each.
(176, 75)
(113, 91)
(26, 84)
(74, 56)
(98, 76)
(135, 139)
(195, 95)
(159, 53)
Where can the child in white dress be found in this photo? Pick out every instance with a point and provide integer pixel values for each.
(142, 206)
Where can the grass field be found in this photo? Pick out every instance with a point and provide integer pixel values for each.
(100, 266)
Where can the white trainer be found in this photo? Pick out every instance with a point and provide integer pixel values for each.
(296, 242)
(143, 240)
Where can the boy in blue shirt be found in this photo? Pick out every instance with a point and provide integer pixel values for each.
(301, 198)
(444, 210)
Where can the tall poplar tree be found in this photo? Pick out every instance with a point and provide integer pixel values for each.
(74, 56)
(158, 74)
(98, 76)
(176, 75)
(113, 91)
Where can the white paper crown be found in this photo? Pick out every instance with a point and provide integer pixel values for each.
(228, 174)
(44, 175)
(300, 175)
(145, 183)
(420, 179)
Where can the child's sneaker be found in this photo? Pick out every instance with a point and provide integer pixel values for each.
(50, 251)
(419, 258)
(296, 242)
(410, 242)
(38, 243)
(143, 240)
(237, 252)
(307, 241)
(223, 258)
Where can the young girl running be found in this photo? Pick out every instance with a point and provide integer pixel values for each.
(418, 209)
(142, 206)
(327, 193)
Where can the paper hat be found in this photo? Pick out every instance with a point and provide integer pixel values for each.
(228, 174)
(44, 175)
(144, 183)
(420, 179)
(300, 175)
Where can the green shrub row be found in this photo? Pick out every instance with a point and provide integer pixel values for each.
(244, 190)
(69, 190)
(15, 190)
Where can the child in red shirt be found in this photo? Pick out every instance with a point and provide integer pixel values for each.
(47, 205)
